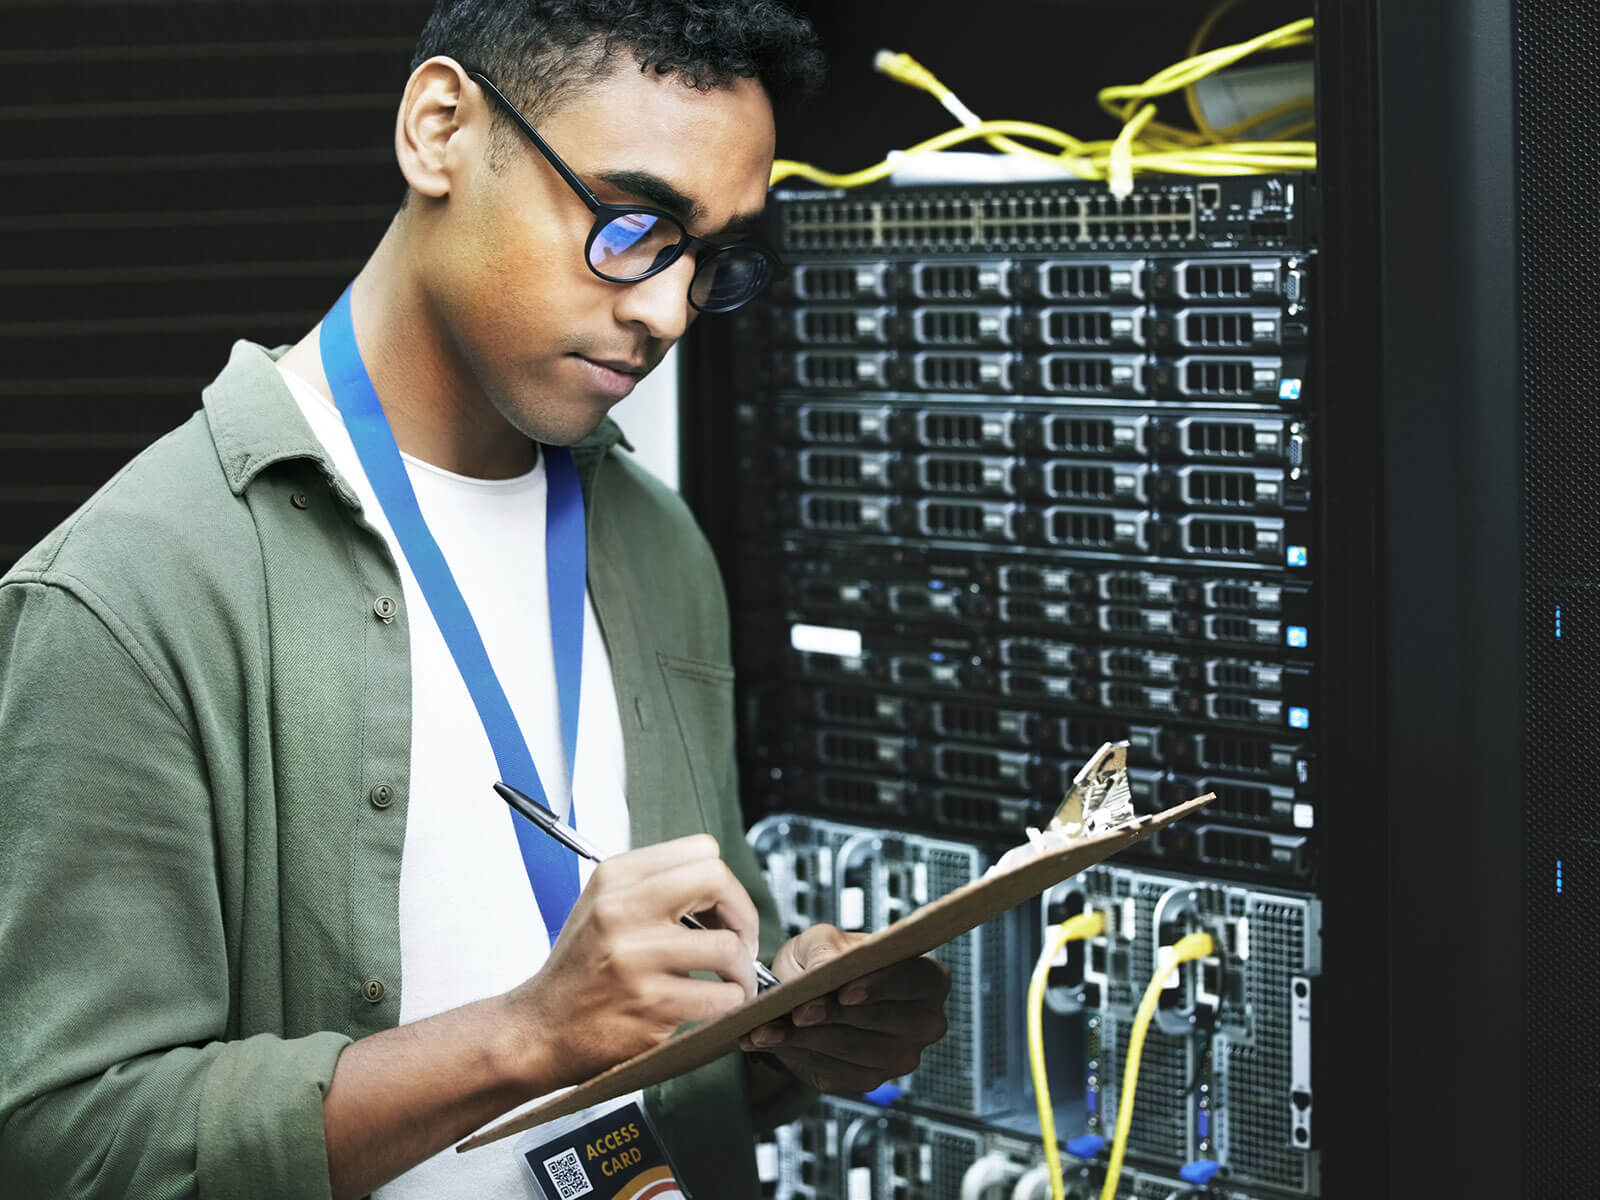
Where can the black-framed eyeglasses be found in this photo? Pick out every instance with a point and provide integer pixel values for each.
(630, 242)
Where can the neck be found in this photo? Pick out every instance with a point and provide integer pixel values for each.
(435, 407)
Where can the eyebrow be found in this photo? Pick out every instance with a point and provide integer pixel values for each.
(657, 191)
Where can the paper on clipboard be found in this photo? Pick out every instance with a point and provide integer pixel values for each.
(918, 932)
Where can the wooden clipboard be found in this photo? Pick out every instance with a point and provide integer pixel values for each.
(918, 932)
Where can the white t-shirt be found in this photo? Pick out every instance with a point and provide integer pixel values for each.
(470, 927)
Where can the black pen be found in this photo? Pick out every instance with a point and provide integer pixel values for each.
(547, 821)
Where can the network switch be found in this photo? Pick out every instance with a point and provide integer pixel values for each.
(1060, 216)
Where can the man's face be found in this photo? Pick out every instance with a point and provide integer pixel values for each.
(550, 344)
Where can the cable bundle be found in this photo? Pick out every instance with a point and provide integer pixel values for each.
(1144, 143)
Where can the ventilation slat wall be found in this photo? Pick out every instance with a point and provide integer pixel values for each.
(177, 176)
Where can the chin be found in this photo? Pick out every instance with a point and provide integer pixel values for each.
(564, 424)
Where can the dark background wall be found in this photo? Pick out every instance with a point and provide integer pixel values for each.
(180, 175)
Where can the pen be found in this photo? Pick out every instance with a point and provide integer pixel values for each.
(547, 821)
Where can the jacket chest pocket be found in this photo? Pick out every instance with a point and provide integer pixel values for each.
(701, 695)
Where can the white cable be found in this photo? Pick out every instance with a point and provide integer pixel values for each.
(949, 99)
(1035, 1185)
(992, 1170)
(847, 916)
(960, 111)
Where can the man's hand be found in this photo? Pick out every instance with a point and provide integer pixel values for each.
(616, 983)
(618, 978)
(871, 1030)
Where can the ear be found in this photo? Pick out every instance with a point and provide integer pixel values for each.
(435, 117)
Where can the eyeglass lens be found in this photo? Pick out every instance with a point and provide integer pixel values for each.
(728, 278)
(631, 245)
(634, 245)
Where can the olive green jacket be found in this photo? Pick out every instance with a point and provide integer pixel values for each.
(204, 753)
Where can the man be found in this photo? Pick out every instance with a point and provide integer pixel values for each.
(265, 930)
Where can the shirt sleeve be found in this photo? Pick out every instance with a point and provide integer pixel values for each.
(117, 1075)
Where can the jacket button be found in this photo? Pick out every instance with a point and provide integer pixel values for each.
(382, 795)
(372, 991)
(385, 608)
(299, 500)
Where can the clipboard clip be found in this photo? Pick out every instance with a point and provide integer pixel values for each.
(1100, 798)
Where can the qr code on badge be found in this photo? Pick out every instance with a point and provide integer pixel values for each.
(566, 1172)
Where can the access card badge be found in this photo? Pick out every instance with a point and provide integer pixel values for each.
(614, 1156)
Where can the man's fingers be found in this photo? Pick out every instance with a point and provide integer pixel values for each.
(816, 1012)
(703, 885)
(890, 1055)
(702, 1000)
(812, 948)
(921, 1023)
(678, 951)
(918, 979)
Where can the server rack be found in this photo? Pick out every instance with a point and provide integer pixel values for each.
(1015, 470)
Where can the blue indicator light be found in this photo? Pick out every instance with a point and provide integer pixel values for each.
(1289, 389)
(1297, 636)
(936, 585)
(936, 656)
(1558, 622)
(1299, 556)
(1299, 718)
(1558, 877)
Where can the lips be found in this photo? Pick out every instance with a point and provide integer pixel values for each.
(622, 366)
(613, 377)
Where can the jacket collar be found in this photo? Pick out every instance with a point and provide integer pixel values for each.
(256, 423)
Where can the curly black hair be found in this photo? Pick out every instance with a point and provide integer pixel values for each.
(540, 52)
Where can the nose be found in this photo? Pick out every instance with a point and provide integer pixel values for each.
(659, 304)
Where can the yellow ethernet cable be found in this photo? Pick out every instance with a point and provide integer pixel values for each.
(1203, 147)
(907, 70)
(1084, 925)
(1187, 949)
(785, 168)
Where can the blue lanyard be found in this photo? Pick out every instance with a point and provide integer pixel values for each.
(552, 869)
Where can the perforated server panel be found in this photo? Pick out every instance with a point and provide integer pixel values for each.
(1556, 54)
(864, 879)
(1490, 578)
(1226, 1069)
